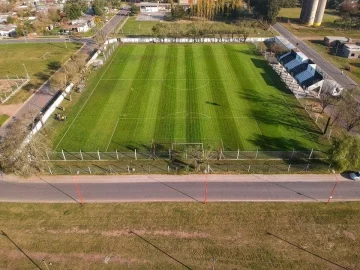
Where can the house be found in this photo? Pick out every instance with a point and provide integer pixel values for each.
(350, 50)
(80, 27)
(7, 30)
(332, 41)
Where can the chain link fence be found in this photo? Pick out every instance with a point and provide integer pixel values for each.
(183, 168)
(185, 155)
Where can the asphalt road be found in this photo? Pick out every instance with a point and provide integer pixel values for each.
(180, 188)
(325, 65)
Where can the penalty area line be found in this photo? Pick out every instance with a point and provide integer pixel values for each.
(112, 135)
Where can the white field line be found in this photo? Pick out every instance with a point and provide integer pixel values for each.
(82, 107)
(180, 117)
(297, 119)
(112, 135)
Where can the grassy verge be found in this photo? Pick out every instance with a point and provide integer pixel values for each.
(41, 61)
(3, 118)
(181, 236)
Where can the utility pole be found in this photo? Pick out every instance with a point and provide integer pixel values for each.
(24, 33)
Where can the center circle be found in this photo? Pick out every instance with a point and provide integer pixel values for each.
(201, 80)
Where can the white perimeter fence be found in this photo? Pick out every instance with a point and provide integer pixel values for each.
(185, 155)
(192, 40)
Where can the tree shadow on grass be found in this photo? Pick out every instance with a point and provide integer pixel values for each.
(309, 252)
(20, 249)
(159, 249)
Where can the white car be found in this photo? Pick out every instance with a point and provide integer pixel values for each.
(355, 175)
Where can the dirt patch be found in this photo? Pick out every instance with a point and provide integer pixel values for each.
(176, 234)
(9, 109)
(74, 230)
(350, 235)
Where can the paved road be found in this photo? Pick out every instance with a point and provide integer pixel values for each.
(309, 188)
(44, 94)
(326, 66)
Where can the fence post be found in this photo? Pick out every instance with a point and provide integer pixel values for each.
(63, 154)
(50, 170)
(82, 158)
(117, 155)
(135, 155)
(292, 154)
(168, 168)
(128, 167)
(169, 153)
(289, 167)
(311, 153)
(238, 153)
(249, 169)
(89, 169)
(257, 151)
(47, 155)
(307, 167)
(99, 155)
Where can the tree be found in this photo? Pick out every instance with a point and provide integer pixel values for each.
(10, 19)
(98, 7)
(178, 12)
(72, 10)
(350, 116)
(20, 156)
(54, 15)
(134, 9)
(267, 9)
(326, 99)
(58, 81)
(345, 154)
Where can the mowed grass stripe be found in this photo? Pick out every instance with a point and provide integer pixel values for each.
(165, 122)
(136, 100)
(228, 128)
(192, 123)
(83, 118)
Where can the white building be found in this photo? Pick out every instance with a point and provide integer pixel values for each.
(7, 30)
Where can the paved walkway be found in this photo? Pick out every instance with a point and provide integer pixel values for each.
(325, 65)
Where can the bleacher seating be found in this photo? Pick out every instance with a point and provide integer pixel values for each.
(312, 80)
(298, 69)
(288, 58)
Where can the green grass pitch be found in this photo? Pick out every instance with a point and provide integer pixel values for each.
(215, 94)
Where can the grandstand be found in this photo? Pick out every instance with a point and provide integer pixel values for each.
(303, 70)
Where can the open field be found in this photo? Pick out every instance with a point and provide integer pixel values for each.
(137, 28)
(219, 95)
(294, 14)
(181, 236)
(41, 60)
(328, 28)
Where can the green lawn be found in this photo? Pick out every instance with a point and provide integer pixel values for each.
(214, 94)
(180, 236)
(40, 60)
(137, 28)
(3, 118)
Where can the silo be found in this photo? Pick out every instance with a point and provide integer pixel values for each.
(308, 11)
(320, 12)
(312, 11)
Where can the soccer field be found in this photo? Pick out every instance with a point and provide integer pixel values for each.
(220, 95)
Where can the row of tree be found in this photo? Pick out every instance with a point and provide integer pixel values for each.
(205, 29)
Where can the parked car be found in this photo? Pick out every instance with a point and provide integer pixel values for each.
(355, 175)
